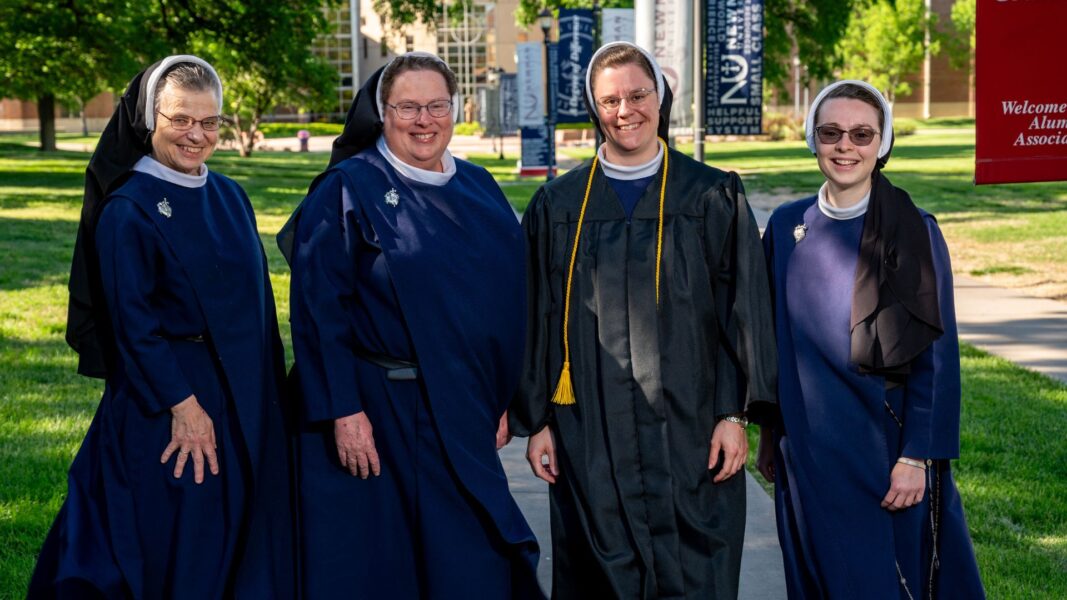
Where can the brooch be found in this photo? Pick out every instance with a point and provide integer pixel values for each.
(799, 232)
(392, 198)
(164, 208)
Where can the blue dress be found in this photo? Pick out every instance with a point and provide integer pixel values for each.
(187, 289)
(842, 431)
(432, 275)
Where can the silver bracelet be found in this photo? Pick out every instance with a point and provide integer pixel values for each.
(918, 464)
(737, 420)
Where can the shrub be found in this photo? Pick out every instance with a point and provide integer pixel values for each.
(782, 126)
(471, 128)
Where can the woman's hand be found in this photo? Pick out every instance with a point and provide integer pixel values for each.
(765, 453)
(542, 444)
(192, 434)
(730, 439)
(503, 438)
(355, 445)
(906, 487)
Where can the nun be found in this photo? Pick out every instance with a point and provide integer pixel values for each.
(181, 487)
(869, 375)
(649, 345)
(407, 306)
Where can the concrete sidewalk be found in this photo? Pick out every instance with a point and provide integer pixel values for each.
(762, 574)
(1029, 331)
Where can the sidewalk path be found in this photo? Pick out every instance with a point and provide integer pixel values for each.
(762, 574)
(1029, 331)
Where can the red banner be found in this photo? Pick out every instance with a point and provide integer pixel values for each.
(1021, 84)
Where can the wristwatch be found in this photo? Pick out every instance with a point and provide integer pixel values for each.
(739, 419)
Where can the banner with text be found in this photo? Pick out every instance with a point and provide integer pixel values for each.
(573, 53)
(531, 119)
(1022, 103)
(509, 103)
(734, 84)
(617, 25)
(673, 50)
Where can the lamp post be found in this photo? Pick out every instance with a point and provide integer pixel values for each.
(544, 19)
(492, 78)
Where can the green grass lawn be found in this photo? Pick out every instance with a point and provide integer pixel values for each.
(1013, 474)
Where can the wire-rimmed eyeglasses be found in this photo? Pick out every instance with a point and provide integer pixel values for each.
(411, 110)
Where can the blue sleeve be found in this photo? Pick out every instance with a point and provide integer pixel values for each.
(129, 247)
(932, 394)
(321, 297)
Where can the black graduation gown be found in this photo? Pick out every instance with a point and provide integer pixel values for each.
(635, 513)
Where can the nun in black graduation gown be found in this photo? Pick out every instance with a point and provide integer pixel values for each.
(869, 382)
(407, 305)
(657, 360)
(169, 298)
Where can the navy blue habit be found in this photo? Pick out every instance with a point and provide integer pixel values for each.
(841, 431)
(187, 288)
(384, 265)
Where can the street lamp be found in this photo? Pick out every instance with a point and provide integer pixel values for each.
(544, 19)
(492, 79)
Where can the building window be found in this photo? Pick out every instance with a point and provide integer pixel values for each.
(461, 42)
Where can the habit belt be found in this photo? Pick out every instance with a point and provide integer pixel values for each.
(395, 368)
(183, 338)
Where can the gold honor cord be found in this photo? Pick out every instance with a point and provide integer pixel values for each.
(564, 394)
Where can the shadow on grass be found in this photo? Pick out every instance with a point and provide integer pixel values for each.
(45, 412)
(35, 252)
(1013, 475)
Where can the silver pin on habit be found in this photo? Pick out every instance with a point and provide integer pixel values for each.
(164, 208)
(799, 232)
(392, 198)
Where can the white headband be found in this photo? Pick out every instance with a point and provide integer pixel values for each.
(651, 61)
(380, 102)
(887, 124)
(153, 80)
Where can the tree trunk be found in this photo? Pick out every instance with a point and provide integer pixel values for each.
(85, 121)
(46, 118)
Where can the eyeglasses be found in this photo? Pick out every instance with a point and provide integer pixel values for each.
(411, 110)
(860, 136)
(185, 122)
(635, 99)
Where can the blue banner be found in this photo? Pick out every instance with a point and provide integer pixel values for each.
(509, 103)
(535, 150)
(734, 86)
(573, 53)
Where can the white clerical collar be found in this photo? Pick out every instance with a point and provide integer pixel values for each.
(843, 214)
(628, 173)
(153, 167)
(416, 174)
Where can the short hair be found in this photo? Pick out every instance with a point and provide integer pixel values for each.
(403, 64)
(190, 77)
(852, 91)
(617, 56)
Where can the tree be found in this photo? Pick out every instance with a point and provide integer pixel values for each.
(69, 52)
(960, 41)
(884, 43)
(263, 53)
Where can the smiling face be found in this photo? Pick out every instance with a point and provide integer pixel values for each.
(184, 151)
(419, 142)
(629, 132)
(847, 167)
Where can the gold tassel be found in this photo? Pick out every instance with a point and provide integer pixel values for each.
(564, 389)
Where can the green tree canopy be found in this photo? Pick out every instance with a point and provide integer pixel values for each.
(70, 51)
(884, 43)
